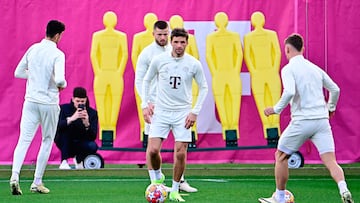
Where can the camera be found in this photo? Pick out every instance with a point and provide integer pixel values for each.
(81, 106)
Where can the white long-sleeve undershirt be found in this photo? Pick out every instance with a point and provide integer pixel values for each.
(175, 77)
(43, 65)
(142, 66)
(303, 84)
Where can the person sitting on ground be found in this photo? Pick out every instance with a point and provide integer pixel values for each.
(77, 130)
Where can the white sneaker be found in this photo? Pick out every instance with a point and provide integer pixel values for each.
(346, 197)
(15, 187)
(64, 165)
(78, 165)
(176, 197)
(167, 189)
(184, 186)
(39, 189)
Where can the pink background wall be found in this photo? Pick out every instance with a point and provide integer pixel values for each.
(330, 29)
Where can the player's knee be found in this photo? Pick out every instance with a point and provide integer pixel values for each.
(152, 151)
(180, 155)
(281, 156)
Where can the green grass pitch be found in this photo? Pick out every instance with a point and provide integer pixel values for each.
(216, 183)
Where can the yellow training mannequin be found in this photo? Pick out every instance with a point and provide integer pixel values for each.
(140, 41)
(262, 56)
(224, 58)
(109, 56)
(177, 21)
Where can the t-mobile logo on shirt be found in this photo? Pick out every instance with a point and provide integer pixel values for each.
(174, 81)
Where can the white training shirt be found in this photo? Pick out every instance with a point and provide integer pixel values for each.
(143, 63)
(43, 65)
(303, 84)
(175, 77)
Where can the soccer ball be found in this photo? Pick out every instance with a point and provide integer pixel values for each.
(289, 197)
(155, 193)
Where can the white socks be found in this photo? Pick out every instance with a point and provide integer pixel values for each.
(38, 181)
(182, 179)
(175, 186)
(158, 174)
(342, 186)
(155, 174)
(15, 176)
(280, 195)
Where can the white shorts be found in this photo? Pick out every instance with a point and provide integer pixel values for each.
(164, 121)
(147, 128)
(298, 131)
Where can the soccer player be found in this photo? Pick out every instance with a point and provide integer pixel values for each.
(43, 65)
(159, 46)
(176, 21)
(174, 72)
(303, 84)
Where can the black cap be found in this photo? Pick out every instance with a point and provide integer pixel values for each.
(79, 92)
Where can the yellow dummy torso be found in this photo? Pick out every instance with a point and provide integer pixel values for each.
(109, 56)
(224, 59)
(262, 57)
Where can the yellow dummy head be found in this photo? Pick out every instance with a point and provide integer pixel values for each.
(221, 20)
(258, 19)
(149, 20)
(176, 21)
(110, 19)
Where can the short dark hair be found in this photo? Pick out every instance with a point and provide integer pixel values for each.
(296, 41)
(79, 92)
(160, 24)
(179, 32)
(54, 27)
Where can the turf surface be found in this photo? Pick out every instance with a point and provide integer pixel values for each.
(216, 183)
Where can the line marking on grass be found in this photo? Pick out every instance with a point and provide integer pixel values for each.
(213, 180)
(190, 179)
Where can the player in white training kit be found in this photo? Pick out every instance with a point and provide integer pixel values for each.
(173, 110)
(43, 65)
(303, 84)
(159, 46)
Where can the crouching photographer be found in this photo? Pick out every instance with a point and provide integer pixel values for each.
(77, 130)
